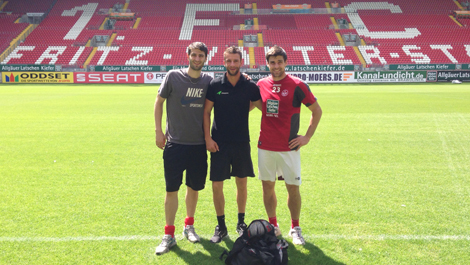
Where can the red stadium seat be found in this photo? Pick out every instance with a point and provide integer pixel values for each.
(308, 38)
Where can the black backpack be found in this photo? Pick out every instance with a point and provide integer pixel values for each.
(257, 246)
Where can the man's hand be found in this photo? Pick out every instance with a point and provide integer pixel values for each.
(160, 140)
(298, 142)
(246, 76)
(211, 145)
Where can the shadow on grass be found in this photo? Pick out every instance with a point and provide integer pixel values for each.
(297, 254)
(199, 258)
(315, 256)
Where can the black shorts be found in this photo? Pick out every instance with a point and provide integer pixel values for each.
(232, 159)
(178, 158)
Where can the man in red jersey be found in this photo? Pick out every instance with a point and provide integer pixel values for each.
(279, 143)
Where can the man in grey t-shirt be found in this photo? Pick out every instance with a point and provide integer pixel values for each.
(183, 143)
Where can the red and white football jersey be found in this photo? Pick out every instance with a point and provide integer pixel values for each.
(281, 111)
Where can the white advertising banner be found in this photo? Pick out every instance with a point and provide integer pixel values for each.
(325, 77)
(158, 77)
(154, 77)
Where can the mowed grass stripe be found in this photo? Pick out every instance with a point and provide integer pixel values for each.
(384, 179)
(307, 237)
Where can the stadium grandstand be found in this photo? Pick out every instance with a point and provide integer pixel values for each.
(82, 34)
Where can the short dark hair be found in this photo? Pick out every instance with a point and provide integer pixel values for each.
(233, 50)
(198, 45)
(276, 51)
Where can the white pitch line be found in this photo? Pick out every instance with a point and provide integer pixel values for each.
(79, 238)
(308, 237)
(389, 237)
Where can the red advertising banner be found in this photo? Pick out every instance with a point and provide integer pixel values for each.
(461, 14)
(304, 6)
(122, 16)
(109, 78)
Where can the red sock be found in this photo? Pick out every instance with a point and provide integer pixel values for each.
(189, 221)
(170, 230)
(295, 223)
(273, 220)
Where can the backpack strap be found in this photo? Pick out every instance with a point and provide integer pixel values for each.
(223, 254)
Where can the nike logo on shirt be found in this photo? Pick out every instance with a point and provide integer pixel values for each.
(193, 94)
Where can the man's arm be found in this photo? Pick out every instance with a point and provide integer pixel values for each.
(211, 145)
(160, 138)
(257, 104)
(302, 140)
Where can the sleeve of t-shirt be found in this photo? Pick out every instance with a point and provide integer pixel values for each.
(165, 88)
(259, 84)
(254, 92)
(309, 97)
(210, 92)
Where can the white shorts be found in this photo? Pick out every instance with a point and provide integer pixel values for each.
(286, 164)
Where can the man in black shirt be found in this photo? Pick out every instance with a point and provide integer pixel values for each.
(232, 96)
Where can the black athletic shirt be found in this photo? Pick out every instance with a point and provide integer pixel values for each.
(231, 108)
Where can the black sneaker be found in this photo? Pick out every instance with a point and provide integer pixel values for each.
(241, 228)
(218, 234)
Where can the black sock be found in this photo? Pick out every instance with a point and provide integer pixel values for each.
(241, 218)
(221, 221)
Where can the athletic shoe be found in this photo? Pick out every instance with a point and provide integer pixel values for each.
(167, 242)
(277, 230)
(296, 234)
(190, 234)
(240, 228)
(218, 234)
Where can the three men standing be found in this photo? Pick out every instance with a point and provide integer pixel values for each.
(190, 97)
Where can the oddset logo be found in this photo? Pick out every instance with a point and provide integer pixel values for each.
(12, 78)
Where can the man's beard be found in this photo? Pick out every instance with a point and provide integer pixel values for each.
(234, 74)
(278, 74)
(192, 66)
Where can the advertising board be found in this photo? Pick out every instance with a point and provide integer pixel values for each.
(414, 67)
(37, 77)
(390, 76)
(158, 77)
(432, 76)
(443, 76)
(323, 68)
(109, 78)
(29, 67)
(154, 77)
(325, 77)
(125, 68)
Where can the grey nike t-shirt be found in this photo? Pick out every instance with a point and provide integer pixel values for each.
(185, 97)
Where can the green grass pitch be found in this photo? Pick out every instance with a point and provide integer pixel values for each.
(385, 178)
